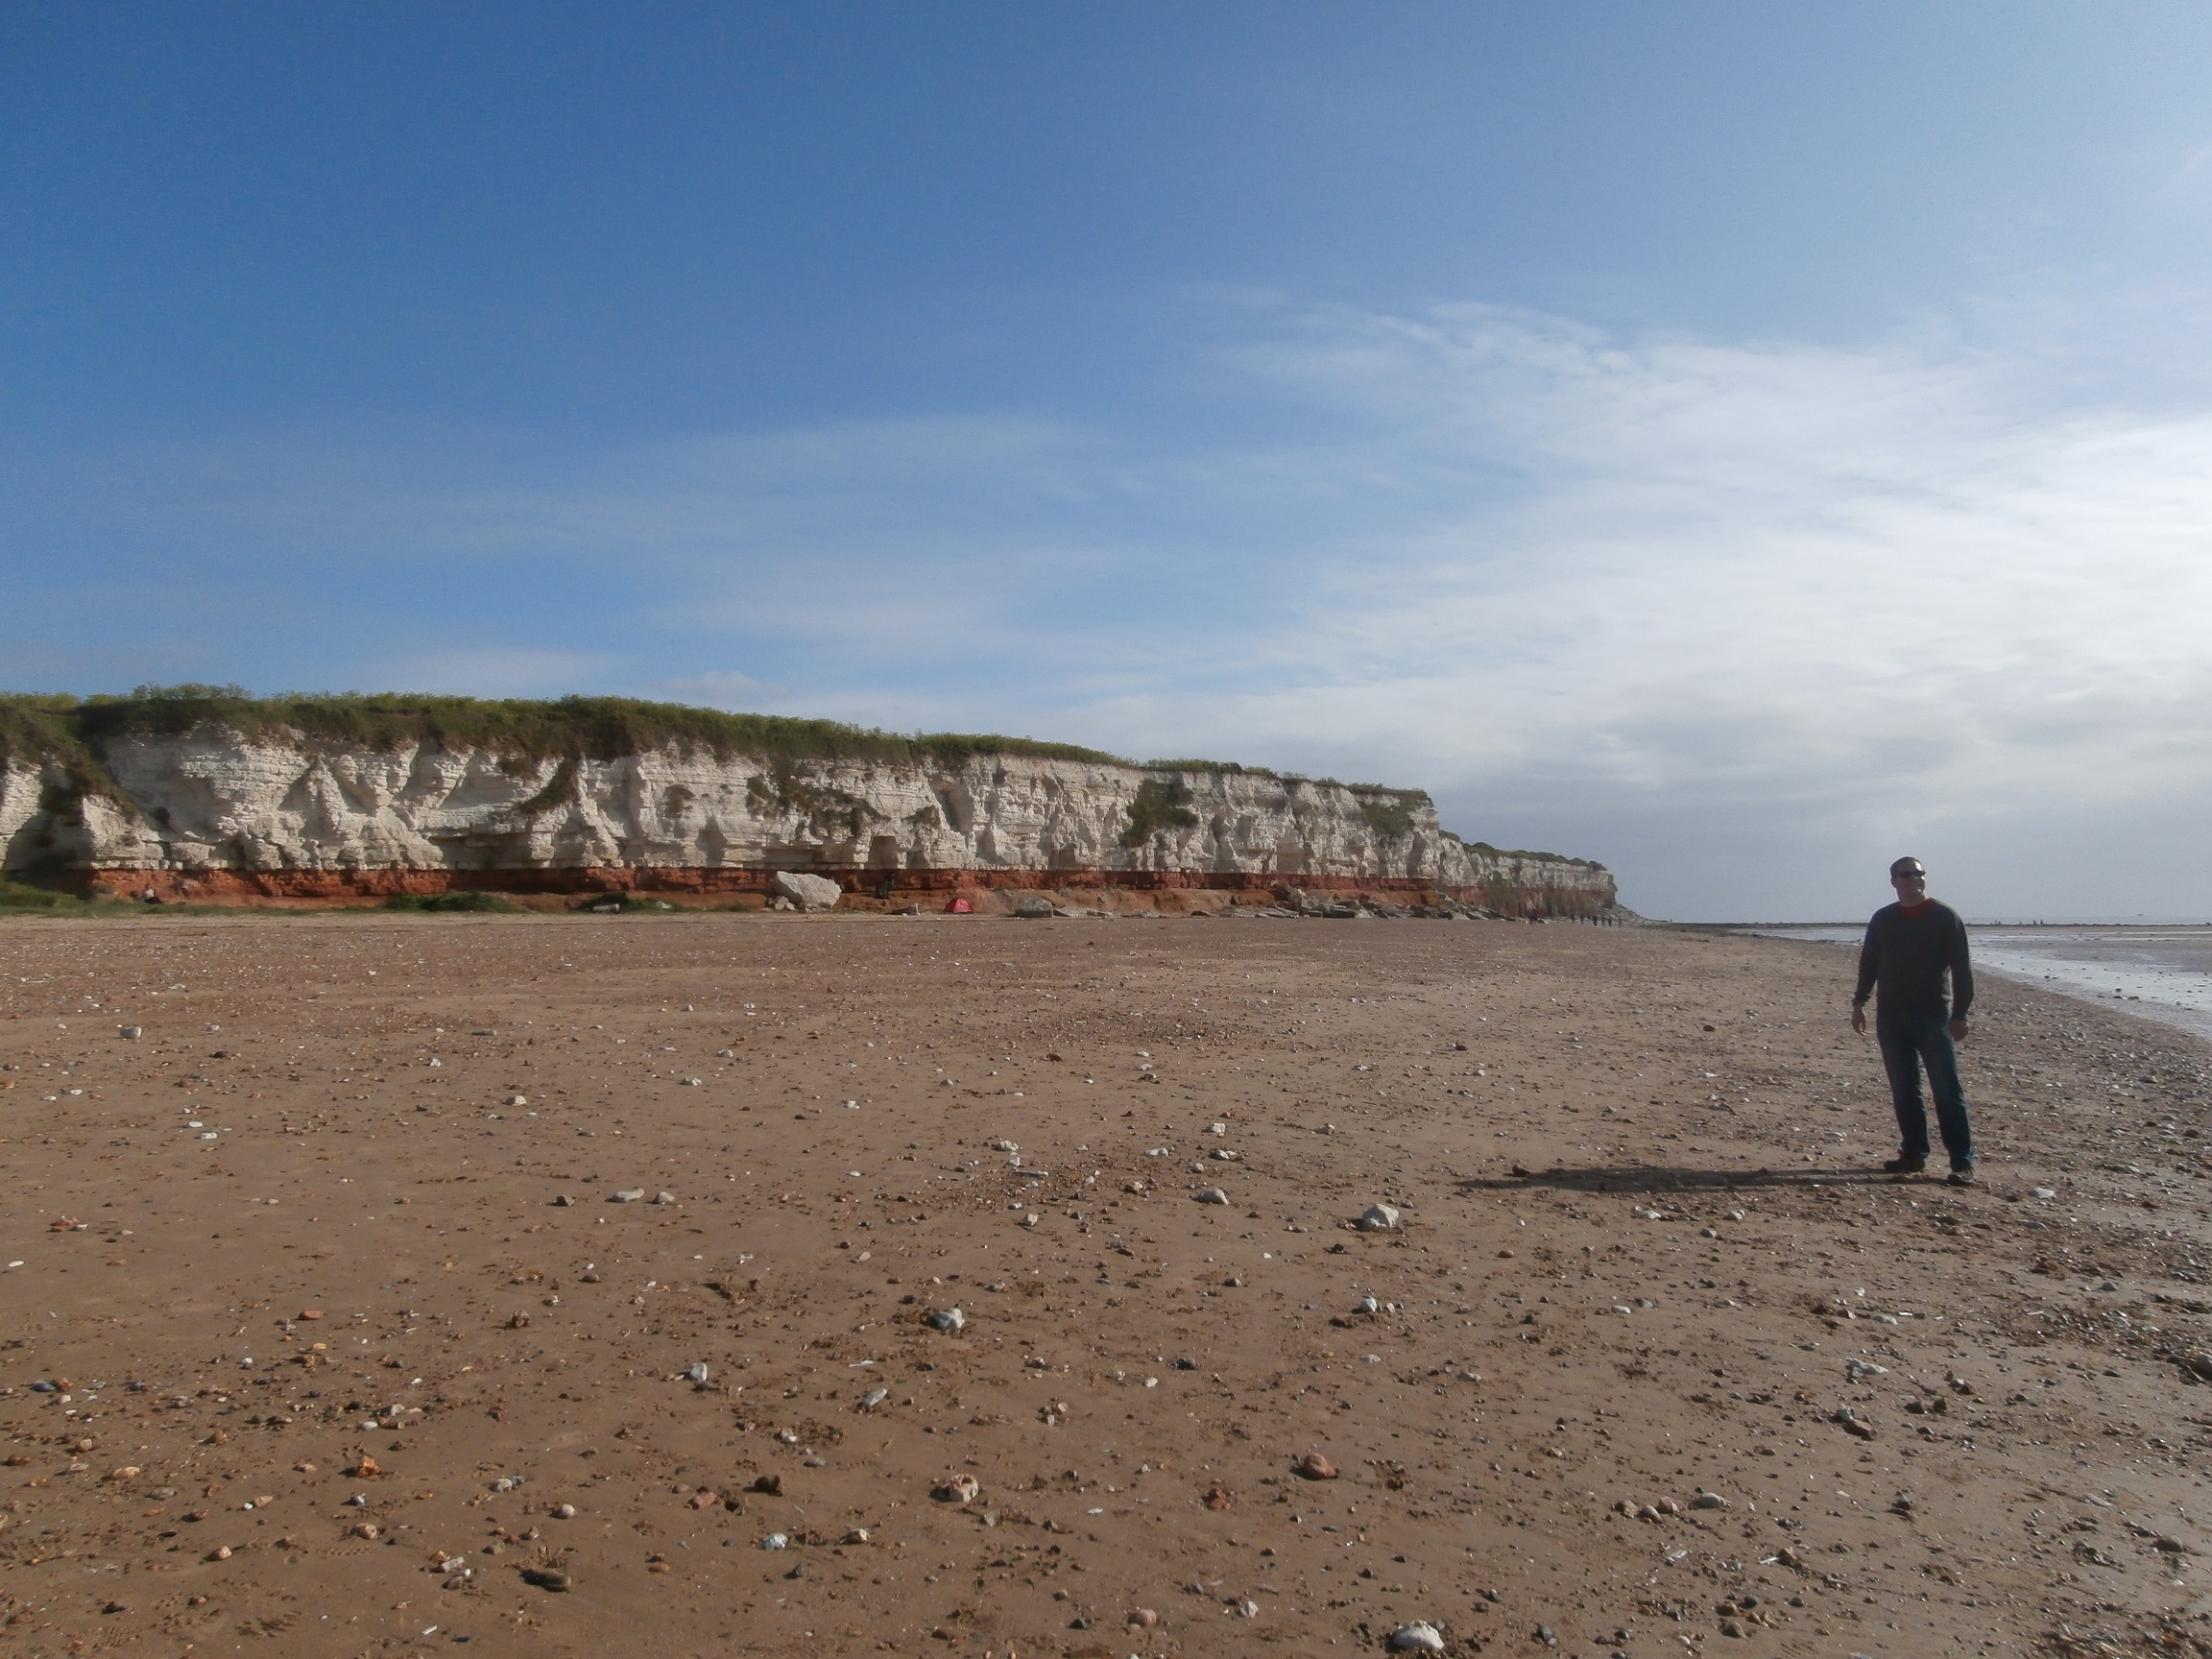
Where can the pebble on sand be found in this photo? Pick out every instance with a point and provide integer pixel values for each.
(1418, 1637)
(948, 1319)
(1314, 1467)
(1213, 1196)
(959, 1489)
(1379, 1219)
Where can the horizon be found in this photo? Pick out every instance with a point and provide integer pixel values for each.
(1986, 922)
(1731, 445)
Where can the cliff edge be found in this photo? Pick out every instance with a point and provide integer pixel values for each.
(203, 793)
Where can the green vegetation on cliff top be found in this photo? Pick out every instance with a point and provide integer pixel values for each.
(74, 731)
(1485, 850)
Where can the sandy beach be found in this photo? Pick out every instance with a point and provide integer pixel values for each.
(563, 1285)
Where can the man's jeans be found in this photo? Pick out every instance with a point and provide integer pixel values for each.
(1907, 1042)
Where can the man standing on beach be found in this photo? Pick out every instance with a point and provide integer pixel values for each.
(1910, 945)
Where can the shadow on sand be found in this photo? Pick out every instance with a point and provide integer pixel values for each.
(1646, 1178)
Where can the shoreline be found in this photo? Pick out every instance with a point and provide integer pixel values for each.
(2159, 973)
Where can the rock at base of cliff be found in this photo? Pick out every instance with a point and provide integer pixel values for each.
(1034, 907)
(809, 892)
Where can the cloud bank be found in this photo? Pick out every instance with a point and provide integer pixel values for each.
(1750, 610)
(1741, 619)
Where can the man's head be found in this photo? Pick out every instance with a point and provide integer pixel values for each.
(1909, 876)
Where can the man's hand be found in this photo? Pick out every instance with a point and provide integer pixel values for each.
(1958, 1030)
(1859, 1020)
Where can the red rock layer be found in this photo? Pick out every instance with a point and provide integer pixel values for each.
(679, 883)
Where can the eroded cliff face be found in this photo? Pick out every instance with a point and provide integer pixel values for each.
(214, 813)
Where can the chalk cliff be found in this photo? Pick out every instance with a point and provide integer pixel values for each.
(212, 807)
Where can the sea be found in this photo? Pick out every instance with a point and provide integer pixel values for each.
(2162, 972)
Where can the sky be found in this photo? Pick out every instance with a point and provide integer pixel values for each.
(1739, 444)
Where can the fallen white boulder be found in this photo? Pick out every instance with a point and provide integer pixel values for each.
(809, 892)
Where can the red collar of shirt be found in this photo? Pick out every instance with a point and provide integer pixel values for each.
(1923, 906)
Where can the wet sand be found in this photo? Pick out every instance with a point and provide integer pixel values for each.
(1641, 1259)
(2166, 972)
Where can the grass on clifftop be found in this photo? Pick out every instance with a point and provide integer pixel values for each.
(38, 728)
(35, 728)
(1407, 798)
(1487, 851)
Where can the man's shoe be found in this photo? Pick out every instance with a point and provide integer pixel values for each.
(1904, 1165)
(1961, 1175)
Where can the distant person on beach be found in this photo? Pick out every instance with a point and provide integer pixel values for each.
(1910, 945)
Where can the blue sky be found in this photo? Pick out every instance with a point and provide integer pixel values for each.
(1736, 442)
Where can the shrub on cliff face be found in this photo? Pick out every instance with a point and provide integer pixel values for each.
(826, 810)
(42, 731)
(1391, 818)
(1161, 803)
(558, 790)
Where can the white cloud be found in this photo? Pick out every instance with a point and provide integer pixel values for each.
(720, 689)
(470, 670)
(1748, 589)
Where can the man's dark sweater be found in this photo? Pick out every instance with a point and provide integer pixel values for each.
(1906, 954)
